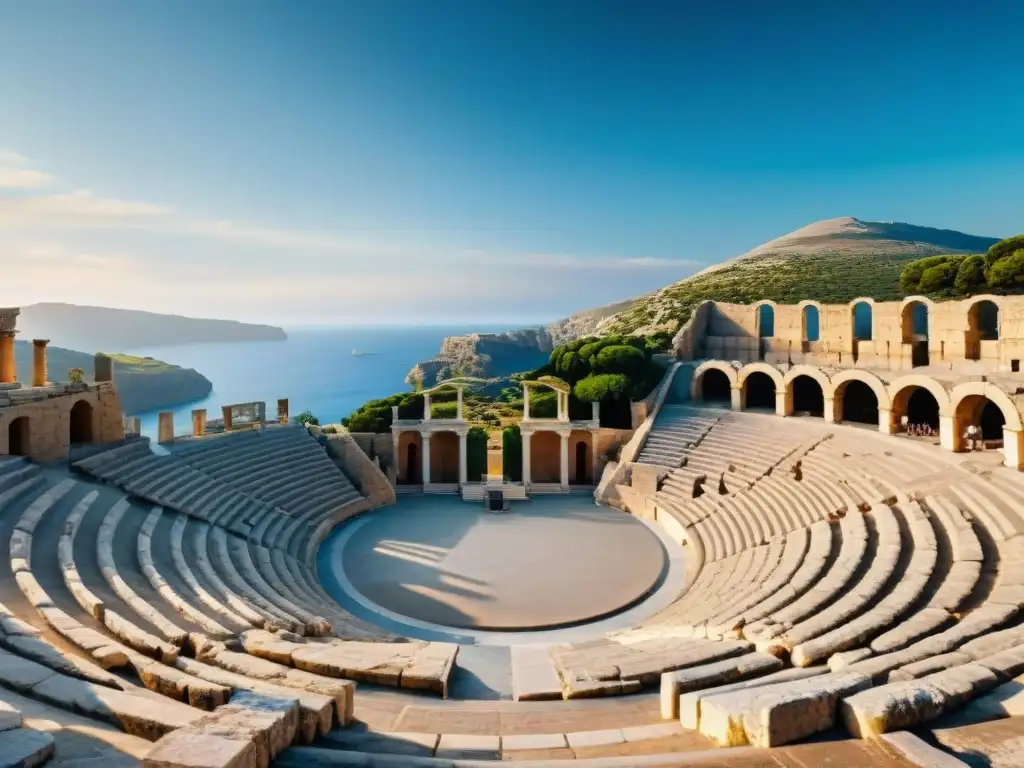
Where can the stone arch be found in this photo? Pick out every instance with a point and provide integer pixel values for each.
(996, 396)
(752, 394)
(982, 314)
(81, 423)
(581, 457)
(409, 457)
(851, 374)
(696, 383)
(915, 325)
(811, 313)
(862, 319)
(794, 387)
(19, 436)
(764, 316)
(814, 373)
(898, 392)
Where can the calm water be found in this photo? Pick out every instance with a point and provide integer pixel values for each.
(314, 369)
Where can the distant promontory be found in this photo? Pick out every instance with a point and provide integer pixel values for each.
(96, 328)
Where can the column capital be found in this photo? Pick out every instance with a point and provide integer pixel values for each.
(8, 334)
(426, 433)
(40, 342)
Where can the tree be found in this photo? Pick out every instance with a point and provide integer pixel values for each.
(620, 358)
(601, 386)
(306, 418)
(512, 453)
(1008, 272)
(970, 276)
(913, 272)
(1004, 248)
(939, 277)
(476, 453)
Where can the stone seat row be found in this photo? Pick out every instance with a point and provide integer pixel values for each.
(676, 427)
(283, 466)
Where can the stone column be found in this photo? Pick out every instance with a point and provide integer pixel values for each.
(8, 367)
(1013, 448)
(782, 404)
(165, 431)
(595, 458)
(736, 399)
(595, 411)
(225, 414)
(426, 406)
(526, 404)
(463, 470)
(830, 410)
(39, 362)
(282, 410)
(948, 438)
(526, 457)
(563, 406)
(198, 422)
(425, 470)
(103, 368)
(886, 425)
(136, 424)
(565, 460)
(458, 406)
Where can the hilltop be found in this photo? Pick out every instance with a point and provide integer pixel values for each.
(99, 328)
(833, 260)
(143, 384)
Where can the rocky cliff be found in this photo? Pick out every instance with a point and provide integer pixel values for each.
(143, 384)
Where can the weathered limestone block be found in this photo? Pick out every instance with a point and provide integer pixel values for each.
(431, 668)
(172, 682)
(674, 684)
(1005, 664)
(188, 749)
(919, 669)
(840, 661)
(921, 624)
(25, 748)
(316, 711)
(143, 642)
(689, 704)
(957, 586)
(784, 717)
(266, 645)
(9, 717)
(269, 723)
(892, 707)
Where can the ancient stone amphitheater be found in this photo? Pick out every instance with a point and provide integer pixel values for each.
(844, 595)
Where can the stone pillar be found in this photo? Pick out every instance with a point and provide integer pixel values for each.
(426, 406)
(595, 458)
(736, 399)
(103, 368)
(886, 424)
(425, 469)
(225, 414)
(948, 437)
(8, 367)
(565, 460)
(458, 406)
(830, 410)
(782, 403)
(165, 431)
(136, 425)
(526, 404)
(198, 422)
(1013, 448)
(282, 410)
(526, 456)
(463, 470)
(595, 411)
(39, 362)
(563, 406)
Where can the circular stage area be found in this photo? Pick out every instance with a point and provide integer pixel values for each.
(550, 562)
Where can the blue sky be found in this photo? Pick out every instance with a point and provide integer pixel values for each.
(400, 160)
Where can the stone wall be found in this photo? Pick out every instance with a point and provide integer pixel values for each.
(48, 412)
(383, 446)
(350, 456)
(953, 335)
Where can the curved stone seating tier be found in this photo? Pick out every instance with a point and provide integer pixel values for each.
(676, 427)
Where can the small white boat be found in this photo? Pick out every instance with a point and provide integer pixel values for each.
(360, 353)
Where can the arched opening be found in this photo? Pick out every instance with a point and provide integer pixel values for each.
(859, 403)
(811, 318)
(760, 391)
(983, 325)
(581, 463)
(915, 331)
(444, 457)
(19, 433)
(920, 408)
(981, 413)
(545, 457)
(715, 386)
(412, 464)
(862, 321)
(807, 396)
(81, 423)
(765, 321)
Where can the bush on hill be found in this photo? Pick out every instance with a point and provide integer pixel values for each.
(1000, 270)
(306, 418)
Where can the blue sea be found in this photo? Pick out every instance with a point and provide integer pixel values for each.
(314, 369)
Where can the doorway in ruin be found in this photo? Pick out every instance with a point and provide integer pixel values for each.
(982, 325)
(81, 423)
(979, 411)
(444, 457)
(918, 405)
(811, 319)
(760, 391)
(582, 453)
(19, 437)
(715, 387)
(914, 323)
(412, 464)
(546, 457)
(807, 396)
(859, 402)
(862, 321)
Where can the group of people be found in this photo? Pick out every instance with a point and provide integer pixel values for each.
(922, 430)
(973, 440)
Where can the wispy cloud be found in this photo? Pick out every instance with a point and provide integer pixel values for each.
(15, 172)
(565, 261)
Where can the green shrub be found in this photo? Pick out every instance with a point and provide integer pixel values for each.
(543, 403)
(1008, 272)
(970, 277)
(306, 418)
(512, 453)
(1003, 249)
(602, 386)
(444, 410)
(476, 454)
(621, 358)
(939, 277)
